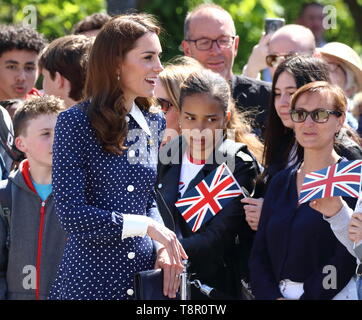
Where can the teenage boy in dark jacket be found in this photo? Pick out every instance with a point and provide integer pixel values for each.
(31, 238)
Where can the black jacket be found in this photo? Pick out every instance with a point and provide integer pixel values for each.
(252, 96)
(219, 250)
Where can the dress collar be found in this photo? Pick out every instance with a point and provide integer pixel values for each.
(138, 116)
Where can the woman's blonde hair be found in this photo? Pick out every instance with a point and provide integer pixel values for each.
(176, 71)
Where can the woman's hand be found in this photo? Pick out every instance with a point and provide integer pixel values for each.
(252, 210)
(355, 227)
(169, 258)
(171, 273)
(329, 207)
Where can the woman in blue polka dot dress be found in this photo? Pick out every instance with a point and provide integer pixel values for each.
(105, 157)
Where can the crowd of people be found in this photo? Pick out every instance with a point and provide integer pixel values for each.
(94, 165)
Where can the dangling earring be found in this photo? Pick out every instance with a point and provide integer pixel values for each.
(118, 77)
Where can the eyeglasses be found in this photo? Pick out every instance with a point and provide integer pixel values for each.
(204, 44)
(272, 60)
(164, 104)
(318, 115)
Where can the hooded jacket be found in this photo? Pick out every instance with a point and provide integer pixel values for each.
(31, 253)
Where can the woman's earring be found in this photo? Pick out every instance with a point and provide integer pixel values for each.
(118, 77)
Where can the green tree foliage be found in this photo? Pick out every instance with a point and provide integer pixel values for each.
(55, 18)
(249, 17)
(343, 30)
(171, 15)
(247, 14)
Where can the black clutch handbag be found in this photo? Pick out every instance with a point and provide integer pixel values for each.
(148, 285)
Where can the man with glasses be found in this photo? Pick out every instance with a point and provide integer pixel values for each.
(210, 38)
(289, 40)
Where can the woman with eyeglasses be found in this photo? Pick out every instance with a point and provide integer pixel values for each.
(280, 149)
(345, 68)
(295, 254)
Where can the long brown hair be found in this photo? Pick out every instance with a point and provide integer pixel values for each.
(107, 110)
(207, 82)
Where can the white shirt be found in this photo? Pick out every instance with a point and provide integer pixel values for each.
(189, 169)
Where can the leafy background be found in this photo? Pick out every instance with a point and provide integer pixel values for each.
(56, 18)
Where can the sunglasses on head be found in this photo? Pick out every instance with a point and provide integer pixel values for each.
(319, 115)
(272, 60)
(164, 104)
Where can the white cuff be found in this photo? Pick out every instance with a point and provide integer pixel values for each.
(341, 219)
(134, 225)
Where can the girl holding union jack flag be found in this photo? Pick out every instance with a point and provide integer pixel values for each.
(200, 180)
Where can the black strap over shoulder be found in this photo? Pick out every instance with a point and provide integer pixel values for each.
(5, 193)
(6, 205)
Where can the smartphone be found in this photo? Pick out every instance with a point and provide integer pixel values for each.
(273, 24)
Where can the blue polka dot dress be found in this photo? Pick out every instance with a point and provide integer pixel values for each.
(89, 184)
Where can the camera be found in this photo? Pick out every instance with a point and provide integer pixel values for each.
(273, 24)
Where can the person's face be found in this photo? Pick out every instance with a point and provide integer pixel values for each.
(37, 142)
(313, 135)
(50, 86)
(212, 26)
(313, 19)
(284, 89)
(202, 121)
(140, 68)
(18, 73)
(171, 115)
(282, 46)
(336, 72)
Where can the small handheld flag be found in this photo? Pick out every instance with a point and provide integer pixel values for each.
(341, 179)
(205, 200)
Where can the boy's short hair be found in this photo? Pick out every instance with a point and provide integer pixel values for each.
(34, 107)
(69, 56)
(20, 38)
(93, 22)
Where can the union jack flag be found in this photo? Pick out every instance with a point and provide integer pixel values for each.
(341, 179)
(205, 200)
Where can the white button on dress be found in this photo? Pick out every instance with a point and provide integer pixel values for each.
(131, 255)
(130, 292)
(130, 188)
